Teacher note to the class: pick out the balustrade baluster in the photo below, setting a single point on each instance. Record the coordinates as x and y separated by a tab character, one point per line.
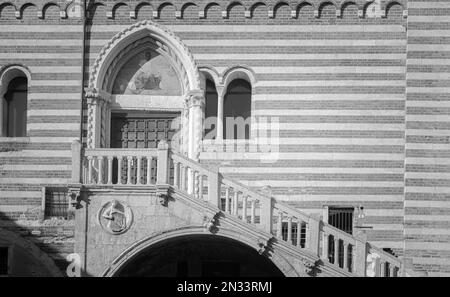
336	251
280	225
119	169
182	177
382	268
345	266
244	208
289	231
149	170
138	170
110	171
252	215
325	246
100	170
129	160
175	175
227	200
192	174
195	188
299	233
90	165
200	186
236	203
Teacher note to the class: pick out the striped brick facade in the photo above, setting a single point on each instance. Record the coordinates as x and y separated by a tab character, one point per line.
360	99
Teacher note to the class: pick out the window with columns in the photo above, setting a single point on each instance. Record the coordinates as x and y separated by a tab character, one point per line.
14	108
237	110
211	98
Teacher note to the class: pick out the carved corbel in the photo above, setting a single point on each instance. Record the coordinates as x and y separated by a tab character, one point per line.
262	245
162	194
210	222
74	195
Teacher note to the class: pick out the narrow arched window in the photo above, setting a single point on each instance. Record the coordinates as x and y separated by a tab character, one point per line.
210	110
15	113
237	110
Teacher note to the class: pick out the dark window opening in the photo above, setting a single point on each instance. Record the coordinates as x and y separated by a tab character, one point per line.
237	110
3	260
341	218
294	233
56	203
15	113
210	110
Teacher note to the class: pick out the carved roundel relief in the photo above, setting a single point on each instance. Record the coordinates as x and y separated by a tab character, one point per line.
115	217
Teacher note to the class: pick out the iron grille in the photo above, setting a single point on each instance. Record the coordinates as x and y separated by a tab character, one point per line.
341	218
56	202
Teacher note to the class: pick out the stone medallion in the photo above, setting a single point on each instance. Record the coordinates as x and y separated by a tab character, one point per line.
115	217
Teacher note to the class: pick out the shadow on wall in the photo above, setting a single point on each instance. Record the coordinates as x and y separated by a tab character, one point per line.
30	247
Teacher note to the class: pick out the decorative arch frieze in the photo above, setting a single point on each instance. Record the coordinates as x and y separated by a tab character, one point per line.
134	5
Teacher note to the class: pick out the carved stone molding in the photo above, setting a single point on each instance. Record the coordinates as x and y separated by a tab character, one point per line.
262	245
194	100
209	222
74	194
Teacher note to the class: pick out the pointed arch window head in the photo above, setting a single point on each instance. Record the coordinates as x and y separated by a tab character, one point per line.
14	111
237	110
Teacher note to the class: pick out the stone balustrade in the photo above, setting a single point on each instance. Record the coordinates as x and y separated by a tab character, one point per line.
350	254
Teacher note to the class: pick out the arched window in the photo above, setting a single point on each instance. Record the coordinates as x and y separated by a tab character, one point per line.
237	110
210	110
15	108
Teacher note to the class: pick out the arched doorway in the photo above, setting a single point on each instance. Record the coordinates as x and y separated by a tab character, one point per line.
199	256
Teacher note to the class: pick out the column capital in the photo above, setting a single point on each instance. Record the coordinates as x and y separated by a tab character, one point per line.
194	99
93	96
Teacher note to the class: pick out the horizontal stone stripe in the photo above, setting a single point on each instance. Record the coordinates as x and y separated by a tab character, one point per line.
395	201
340	190
300	163
435	83
370	212
330	104
35	167
52	112
41	62
334	134
54	96
331	83
290	49
319	177
368	149
331	119
76	56
328	70
50	126
427	62
427	153
34	28
424	133
427	189
387	244
332	90
427	110
427	182
262	28
282	42
328	126
39	71
317	183
330	76
429	33
55	88
426	231
55	82
426	106
29	46
300	56
18	208
429	47
409	195
329	112
34	181
438	147
260	34
427	204
435	261
36	153
259	171
301	156
439	168
4	42
54	133
30	161
20	194
17	201
423	125
305	63
39	146
437	246
354	98
429	55
53	119
428	4
333	141
429	211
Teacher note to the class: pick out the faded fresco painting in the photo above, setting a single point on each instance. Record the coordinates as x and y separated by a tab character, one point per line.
147	73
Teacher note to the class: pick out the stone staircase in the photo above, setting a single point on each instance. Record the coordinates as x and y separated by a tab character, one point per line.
317	245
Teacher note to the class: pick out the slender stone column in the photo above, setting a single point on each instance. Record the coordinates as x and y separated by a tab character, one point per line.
95	118
2	113
219	126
